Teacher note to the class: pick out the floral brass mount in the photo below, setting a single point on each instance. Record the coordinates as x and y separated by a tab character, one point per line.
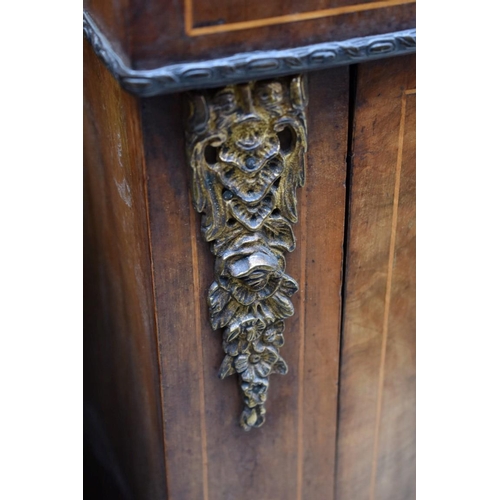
246	145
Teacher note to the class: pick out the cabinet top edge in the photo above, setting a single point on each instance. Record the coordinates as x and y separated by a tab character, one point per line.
241	67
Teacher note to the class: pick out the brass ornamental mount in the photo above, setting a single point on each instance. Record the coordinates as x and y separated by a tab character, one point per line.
246	145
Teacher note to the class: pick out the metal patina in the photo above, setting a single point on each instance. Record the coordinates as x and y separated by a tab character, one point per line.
246	145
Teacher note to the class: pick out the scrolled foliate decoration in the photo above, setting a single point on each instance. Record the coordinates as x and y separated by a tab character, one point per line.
246	146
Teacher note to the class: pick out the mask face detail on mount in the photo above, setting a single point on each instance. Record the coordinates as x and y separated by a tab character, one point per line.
246	145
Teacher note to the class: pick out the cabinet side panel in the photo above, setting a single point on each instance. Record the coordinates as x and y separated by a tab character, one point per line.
178	297
376	443
122	399
208	455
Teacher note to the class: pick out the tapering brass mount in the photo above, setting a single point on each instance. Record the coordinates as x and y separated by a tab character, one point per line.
246	146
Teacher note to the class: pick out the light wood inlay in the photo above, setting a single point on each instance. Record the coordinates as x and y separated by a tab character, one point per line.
390	266
285	19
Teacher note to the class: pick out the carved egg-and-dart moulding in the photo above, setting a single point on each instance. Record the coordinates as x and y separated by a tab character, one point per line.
246	146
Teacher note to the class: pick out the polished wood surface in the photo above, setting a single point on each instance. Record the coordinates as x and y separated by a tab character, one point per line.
159	422
376	444
154	33
123	426
234	15
208	454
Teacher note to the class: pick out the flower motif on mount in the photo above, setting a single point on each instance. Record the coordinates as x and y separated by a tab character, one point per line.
246	146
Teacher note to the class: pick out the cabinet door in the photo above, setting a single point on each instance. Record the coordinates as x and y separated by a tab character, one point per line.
376	443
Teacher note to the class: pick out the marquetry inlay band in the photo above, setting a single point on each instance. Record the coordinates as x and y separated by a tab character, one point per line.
192	30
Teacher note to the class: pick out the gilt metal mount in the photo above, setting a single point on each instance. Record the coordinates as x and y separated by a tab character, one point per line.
246	146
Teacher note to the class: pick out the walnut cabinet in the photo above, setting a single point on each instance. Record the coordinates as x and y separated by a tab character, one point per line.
159	421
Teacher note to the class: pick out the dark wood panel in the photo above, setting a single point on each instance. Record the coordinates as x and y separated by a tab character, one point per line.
177	298
123	426
376	443
208	455
228	12
153	33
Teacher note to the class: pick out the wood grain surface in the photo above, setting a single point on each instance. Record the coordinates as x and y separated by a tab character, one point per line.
159	422
122	404
208	455
242	14
376	443
154	33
